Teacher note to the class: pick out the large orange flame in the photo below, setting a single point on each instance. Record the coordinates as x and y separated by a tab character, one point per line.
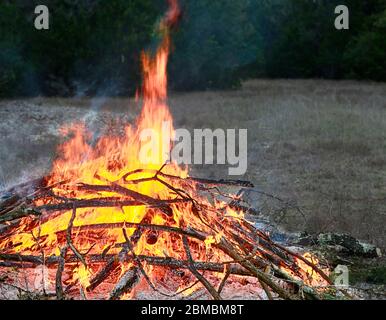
108	161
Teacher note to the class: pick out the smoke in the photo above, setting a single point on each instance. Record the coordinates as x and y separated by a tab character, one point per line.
92	116
2	179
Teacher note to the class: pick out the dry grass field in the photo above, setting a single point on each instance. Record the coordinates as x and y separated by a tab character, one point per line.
320	146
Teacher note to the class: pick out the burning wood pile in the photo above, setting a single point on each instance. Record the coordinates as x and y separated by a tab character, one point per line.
106	225
128	236
183	231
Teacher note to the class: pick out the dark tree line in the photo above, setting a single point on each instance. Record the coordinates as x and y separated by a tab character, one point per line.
93	47
300	40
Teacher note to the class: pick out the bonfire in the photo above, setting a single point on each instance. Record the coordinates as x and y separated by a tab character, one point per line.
104	225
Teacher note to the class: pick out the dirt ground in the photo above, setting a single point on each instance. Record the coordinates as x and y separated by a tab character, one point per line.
319	146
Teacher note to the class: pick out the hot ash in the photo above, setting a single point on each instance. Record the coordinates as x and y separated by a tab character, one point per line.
106	225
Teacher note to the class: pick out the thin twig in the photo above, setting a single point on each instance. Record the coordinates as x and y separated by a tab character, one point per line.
69	238
199	276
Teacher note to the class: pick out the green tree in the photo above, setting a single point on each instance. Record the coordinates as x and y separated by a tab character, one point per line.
96	46
215	39
90	44
12	65
300	40
366	54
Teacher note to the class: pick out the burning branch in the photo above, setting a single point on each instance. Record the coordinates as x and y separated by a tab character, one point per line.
198	275
250	252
